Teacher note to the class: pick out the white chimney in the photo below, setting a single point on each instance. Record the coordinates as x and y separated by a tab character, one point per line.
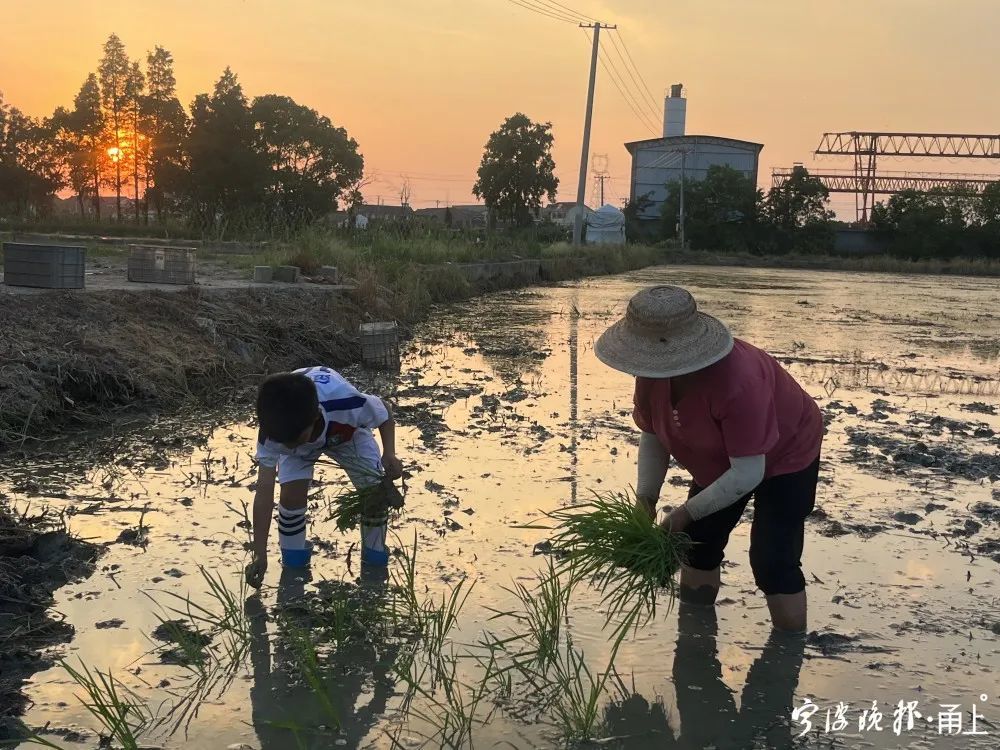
674	112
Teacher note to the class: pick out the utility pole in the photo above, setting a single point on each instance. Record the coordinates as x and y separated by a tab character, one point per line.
581	189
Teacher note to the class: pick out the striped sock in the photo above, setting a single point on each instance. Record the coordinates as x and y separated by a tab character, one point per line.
291	528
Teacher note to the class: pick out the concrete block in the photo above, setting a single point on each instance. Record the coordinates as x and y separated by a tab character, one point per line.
289	274
263	274
329	273
156	264
43	266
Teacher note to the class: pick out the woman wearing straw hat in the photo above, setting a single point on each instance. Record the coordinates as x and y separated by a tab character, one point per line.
740	424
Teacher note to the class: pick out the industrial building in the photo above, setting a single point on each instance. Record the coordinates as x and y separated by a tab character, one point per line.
658	161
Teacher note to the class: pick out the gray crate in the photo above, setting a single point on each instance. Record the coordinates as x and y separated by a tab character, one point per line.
43	266
152	264
380	345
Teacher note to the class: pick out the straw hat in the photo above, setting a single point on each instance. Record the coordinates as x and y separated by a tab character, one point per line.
663	335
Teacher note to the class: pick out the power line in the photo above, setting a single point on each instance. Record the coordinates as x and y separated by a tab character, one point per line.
643	90
572	12
536	9
549	7
649	93
613	75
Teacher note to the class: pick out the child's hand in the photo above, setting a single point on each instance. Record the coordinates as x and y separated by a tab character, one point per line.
255	572
393	467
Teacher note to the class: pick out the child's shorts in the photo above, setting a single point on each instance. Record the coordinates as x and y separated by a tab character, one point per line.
360	457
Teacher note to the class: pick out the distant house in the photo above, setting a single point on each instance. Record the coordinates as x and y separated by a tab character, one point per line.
474	216
384	213
563	213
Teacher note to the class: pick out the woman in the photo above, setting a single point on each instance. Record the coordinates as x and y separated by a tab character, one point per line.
740	424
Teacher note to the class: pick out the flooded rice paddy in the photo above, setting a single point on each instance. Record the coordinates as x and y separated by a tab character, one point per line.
507	414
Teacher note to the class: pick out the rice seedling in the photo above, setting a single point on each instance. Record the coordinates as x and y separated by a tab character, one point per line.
124	717
628	557
576	692
449	707
542	614
211	640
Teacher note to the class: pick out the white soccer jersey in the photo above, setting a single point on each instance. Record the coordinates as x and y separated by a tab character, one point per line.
344	410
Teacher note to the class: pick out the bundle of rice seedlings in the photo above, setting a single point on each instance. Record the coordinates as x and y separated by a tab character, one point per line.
354	503
628	557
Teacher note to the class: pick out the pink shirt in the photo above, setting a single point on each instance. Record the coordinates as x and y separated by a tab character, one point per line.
744	405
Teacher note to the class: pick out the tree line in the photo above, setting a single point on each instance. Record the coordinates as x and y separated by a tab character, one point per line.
727	212
227	163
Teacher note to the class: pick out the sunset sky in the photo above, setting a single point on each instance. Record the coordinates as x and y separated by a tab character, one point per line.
421	85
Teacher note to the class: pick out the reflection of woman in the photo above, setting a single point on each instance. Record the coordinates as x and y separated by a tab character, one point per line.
740	424
705	704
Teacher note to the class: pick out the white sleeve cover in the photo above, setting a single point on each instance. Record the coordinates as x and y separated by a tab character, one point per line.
742	477
652	465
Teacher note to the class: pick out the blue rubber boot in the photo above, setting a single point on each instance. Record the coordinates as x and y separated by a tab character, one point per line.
297	558
373	549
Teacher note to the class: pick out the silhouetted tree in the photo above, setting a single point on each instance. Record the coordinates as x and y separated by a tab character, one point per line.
227	171
113	72
516	171
166	125
312	162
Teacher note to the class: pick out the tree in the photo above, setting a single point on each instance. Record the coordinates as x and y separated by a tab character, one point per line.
988	208
133	107
312	162
634	210
73	158
516	171
113	72
166	125
30	170
86	124
721	211
797	214
227	173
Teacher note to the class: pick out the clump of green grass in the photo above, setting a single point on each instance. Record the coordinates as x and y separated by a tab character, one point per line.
630	559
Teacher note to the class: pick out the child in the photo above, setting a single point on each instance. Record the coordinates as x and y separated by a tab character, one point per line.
302	415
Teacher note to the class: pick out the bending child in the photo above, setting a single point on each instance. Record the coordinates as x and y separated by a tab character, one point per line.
302	415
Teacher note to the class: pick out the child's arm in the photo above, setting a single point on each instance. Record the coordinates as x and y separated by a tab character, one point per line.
387	432
263	509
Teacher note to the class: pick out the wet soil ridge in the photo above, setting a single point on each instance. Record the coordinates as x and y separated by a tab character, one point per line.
79	358
37	556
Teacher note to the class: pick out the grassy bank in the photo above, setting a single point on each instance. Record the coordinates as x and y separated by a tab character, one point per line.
869	264
83	358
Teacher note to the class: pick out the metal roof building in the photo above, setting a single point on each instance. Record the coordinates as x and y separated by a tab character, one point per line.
658	161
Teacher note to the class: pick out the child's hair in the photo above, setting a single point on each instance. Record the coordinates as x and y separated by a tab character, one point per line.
286	406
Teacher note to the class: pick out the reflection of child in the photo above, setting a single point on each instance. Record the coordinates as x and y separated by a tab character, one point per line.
303	415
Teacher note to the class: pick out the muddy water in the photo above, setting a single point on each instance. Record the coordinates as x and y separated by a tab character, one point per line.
509	413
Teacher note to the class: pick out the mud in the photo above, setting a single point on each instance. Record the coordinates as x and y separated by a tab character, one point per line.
37	557
506	414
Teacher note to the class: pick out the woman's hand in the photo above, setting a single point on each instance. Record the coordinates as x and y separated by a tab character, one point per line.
677	520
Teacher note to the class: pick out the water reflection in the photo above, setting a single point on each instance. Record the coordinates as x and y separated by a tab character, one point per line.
285	712
706	706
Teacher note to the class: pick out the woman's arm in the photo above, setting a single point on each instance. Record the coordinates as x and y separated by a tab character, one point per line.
652	467
742	477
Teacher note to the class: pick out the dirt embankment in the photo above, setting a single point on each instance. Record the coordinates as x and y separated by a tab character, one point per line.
78	359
